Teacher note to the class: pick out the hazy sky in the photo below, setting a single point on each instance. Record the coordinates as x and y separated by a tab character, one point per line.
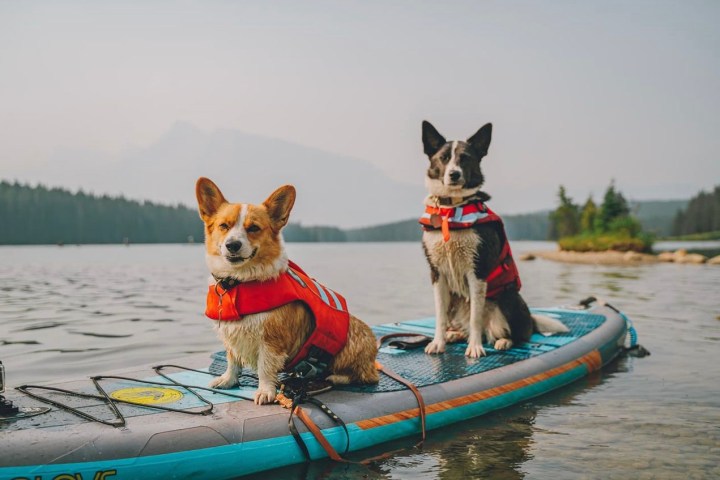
578	92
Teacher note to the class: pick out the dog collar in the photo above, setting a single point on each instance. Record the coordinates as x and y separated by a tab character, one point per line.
226	283
456	218
452	201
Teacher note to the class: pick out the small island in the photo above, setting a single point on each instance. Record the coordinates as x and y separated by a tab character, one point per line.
610	234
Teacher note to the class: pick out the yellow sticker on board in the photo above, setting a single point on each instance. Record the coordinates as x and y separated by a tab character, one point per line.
147	395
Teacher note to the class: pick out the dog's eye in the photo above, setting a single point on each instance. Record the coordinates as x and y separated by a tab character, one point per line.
445	158
224	226
253	228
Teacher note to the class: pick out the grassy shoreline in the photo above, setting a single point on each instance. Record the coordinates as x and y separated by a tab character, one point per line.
603	242
695	237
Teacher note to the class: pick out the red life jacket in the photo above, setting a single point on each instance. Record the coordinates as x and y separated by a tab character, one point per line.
505	274
331	316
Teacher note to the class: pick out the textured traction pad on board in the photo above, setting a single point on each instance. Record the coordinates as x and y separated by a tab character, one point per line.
422	369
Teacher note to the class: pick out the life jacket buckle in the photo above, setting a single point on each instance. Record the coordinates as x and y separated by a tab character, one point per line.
314	365
305	369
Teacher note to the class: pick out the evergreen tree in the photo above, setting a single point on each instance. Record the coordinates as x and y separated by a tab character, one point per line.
611	227
565	220
702	214
614	206
588	215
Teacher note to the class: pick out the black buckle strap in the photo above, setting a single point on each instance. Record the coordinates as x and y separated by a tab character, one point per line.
315	365
296	401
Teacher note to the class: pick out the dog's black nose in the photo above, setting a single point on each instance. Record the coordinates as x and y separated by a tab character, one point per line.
234	246
455	175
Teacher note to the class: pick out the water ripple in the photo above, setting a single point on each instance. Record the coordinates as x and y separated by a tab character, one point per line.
42	326
101	335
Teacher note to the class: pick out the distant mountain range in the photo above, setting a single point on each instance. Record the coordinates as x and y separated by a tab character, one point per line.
333	189
40	215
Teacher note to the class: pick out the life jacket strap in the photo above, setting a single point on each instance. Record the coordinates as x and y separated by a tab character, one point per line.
315	364
293	404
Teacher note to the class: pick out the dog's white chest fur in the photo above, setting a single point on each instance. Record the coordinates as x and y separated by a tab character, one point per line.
244	337
453	259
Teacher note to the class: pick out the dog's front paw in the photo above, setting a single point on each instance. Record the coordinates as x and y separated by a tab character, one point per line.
436	346
503	344
224	381
475	350
264	395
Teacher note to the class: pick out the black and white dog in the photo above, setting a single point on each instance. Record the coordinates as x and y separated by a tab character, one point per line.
475	280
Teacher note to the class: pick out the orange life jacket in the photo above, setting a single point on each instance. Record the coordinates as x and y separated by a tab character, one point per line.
329	308
505	274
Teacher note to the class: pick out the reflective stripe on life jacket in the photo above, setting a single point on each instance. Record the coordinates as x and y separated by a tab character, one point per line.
454	218
329	308
505	274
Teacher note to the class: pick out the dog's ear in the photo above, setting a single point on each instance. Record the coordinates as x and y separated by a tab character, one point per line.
209	198
481	139
279	204
432	140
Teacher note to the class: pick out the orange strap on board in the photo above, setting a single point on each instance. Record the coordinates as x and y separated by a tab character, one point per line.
311	426
415	392
317	433
300	413
407	383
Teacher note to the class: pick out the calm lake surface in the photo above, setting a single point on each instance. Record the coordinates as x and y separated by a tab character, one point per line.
79	311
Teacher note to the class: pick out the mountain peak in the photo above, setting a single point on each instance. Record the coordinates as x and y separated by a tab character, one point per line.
333	189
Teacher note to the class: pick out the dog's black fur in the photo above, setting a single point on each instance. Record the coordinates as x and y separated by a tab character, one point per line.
491	235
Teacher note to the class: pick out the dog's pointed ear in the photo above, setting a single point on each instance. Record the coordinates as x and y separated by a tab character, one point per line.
432	140
209	198
481	139
279	204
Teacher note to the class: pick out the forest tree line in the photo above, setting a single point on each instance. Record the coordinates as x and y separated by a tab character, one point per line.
702	215
41	215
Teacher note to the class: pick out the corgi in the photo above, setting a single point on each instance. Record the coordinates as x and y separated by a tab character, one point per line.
476	285
246	256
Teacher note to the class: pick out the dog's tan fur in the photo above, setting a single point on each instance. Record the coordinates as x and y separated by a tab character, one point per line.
265	341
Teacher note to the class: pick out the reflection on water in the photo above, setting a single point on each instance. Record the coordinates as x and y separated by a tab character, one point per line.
78	311
496	446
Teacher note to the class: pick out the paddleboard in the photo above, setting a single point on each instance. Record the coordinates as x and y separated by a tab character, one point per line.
229	436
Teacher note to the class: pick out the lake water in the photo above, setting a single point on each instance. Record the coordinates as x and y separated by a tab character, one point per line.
79	311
